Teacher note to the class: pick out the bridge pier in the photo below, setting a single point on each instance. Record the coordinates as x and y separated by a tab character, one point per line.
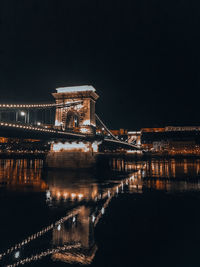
72	155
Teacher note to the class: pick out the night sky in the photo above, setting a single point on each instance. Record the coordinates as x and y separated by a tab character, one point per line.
142	56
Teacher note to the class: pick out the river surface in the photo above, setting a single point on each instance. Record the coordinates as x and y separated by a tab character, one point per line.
144	213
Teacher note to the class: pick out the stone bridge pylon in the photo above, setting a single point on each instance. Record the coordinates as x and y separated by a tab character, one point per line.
76	108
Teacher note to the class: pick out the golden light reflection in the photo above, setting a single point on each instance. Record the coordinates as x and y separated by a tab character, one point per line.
172	174
75	257
22	174
73	235
168	168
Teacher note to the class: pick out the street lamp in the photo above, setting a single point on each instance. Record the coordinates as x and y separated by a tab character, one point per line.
23	114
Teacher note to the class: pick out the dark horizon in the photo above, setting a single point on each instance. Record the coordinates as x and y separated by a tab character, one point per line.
142	57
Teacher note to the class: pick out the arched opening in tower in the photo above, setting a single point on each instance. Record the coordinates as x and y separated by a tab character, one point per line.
72	120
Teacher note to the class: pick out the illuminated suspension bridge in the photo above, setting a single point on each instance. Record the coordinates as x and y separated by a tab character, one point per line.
72	116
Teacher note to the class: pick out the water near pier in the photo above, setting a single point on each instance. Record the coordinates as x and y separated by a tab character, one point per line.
124	214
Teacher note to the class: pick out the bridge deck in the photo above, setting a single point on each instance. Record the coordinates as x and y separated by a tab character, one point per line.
32	132
28	131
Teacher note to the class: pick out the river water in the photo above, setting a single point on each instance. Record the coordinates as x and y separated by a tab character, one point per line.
144	213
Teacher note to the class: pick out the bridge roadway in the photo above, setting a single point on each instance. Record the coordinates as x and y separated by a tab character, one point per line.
16	130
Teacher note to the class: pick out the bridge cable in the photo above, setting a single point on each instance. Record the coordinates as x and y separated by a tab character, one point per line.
105	127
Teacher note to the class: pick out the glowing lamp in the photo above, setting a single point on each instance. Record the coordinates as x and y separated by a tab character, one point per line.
17	254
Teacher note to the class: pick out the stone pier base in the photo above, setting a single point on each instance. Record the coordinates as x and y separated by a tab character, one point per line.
70	160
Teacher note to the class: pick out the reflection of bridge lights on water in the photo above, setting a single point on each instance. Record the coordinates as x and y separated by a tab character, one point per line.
39	234
80	196
122	185
58	195
102	195
17	254
65	195
48	194
73	195
38	256
105	197
132	184
93	218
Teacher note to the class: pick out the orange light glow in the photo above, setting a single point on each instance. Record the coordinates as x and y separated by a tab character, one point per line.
70	146
73	195
80	196
80	146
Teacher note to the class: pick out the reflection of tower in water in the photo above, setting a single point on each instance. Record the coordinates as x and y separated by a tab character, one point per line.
84	198
72	239
78	230
74	188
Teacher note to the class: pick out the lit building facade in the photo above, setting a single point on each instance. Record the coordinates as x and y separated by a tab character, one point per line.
172	140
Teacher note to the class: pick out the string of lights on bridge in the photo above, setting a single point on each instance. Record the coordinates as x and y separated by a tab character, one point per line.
44	130
53	131
40	105
6	124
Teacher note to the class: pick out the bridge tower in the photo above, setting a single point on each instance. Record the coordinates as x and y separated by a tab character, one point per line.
81	114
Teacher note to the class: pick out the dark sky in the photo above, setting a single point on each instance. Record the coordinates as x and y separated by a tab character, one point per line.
142	56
